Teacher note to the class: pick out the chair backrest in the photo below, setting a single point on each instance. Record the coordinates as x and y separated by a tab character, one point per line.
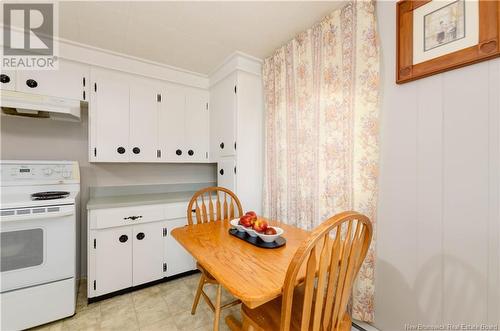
212	204
331	258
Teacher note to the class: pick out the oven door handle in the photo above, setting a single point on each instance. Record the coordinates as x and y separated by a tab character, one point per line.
30	217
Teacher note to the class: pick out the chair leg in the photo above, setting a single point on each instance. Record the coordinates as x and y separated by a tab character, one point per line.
246	326
217	308
198	294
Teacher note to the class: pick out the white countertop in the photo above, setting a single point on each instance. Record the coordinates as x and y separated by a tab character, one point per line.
138	199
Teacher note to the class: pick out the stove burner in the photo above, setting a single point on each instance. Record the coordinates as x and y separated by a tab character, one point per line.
49	195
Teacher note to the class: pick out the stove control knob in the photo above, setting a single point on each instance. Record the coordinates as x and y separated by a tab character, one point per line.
47	171
66	174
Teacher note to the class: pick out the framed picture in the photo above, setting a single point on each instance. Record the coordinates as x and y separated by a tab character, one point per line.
438	35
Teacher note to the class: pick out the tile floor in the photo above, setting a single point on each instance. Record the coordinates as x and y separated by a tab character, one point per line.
166	306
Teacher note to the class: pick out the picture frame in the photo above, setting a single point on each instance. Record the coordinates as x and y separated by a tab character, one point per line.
436	36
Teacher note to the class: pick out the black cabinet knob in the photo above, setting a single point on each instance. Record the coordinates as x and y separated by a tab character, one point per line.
221	145
140	236
178	152
123	238
120	150
4	78
136	150
190	152
31	83
221	172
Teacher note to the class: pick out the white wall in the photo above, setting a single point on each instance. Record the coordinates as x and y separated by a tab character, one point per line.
438	222
39	139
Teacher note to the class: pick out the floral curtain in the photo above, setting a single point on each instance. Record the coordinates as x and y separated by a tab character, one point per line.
321	145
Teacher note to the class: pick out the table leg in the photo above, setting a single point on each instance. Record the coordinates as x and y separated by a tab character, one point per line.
217	307
233	323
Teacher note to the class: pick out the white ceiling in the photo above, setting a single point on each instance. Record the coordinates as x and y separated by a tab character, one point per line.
196	36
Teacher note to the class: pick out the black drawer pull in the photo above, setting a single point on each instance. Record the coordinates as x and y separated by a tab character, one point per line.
190	152
221	172
4	78
133	218
123	238
140	236
221	145
120	150
178	152
31	83
136	150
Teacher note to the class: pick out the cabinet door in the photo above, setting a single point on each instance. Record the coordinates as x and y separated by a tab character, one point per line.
113	259
109	116
177	258
8	80
223	117
226	173
171	124
144	101
197	123
147	252
68	81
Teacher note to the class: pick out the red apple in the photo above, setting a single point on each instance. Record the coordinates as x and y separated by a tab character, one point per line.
251	213
253	219
260	225
270	231
246	221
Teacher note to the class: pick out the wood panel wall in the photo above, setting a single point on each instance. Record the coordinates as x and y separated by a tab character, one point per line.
439	212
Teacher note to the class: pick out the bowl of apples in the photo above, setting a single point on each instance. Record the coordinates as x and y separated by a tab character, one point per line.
259	227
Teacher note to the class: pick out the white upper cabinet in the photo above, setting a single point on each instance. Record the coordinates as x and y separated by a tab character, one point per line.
69	81
109	116
236	128
144	104
8	80
183	124
223	117
226	173
171	123
197	125
135	119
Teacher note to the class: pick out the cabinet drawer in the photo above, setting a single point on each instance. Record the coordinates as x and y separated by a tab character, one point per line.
176	210
106	218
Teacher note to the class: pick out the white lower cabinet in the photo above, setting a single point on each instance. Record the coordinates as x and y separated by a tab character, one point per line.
113	260
130	246
147	255
177	259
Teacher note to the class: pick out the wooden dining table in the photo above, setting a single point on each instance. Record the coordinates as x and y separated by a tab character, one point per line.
252	274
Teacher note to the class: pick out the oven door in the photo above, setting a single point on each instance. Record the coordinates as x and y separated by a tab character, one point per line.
37	246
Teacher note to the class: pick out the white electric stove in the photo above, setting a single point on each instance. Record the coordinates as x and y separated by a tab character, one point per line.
38	214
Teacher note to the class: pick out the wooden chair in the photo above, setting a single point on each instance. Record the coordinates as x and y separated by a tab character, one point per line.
319	280
221	206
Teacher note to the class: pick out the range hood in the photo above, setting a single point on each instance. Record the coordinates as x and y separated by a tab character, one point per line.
39	106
